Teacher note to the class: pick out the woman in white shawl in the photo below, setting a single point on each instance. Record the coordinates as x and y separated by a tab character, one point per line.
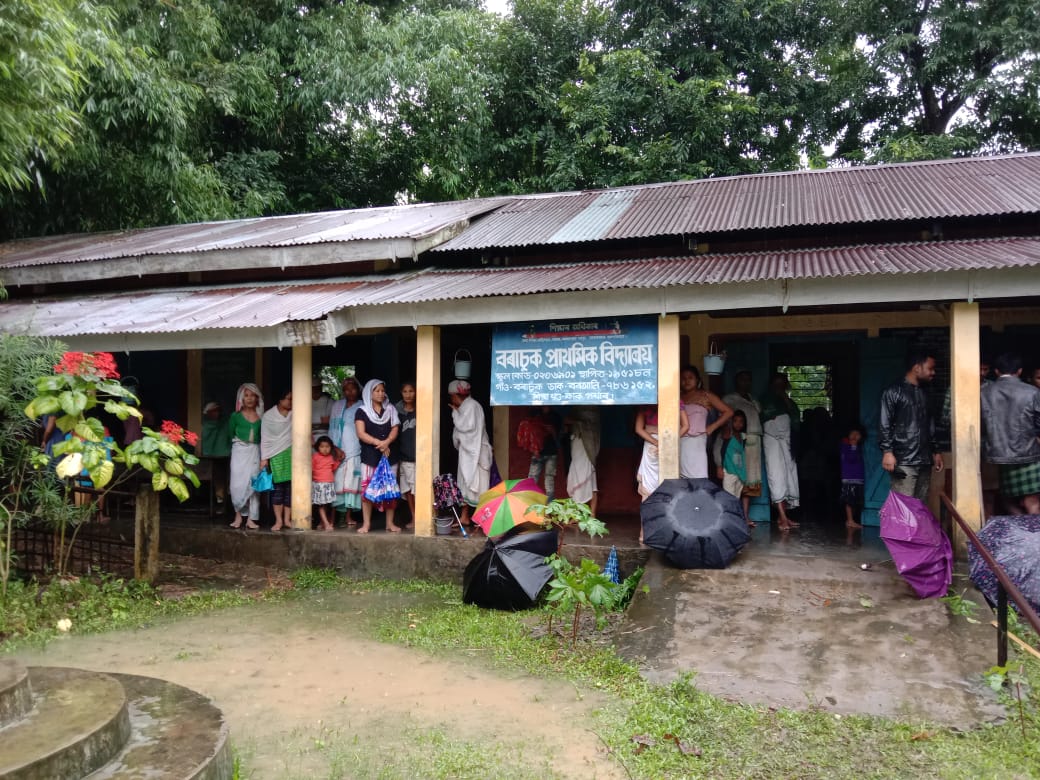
244	425
377	425
581	476
342	431
276	450
471	440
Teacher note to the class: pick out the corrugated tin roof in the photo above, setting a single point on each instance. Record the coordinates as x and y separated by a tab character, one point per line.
191	309
912	191
391	222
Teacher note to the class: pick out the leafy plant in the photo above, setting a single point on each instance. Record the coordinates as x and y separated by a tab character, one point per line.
564	513
580	587
960	606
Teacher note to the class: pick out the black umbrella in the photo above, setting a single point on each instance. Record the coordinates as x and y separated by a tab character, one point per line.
695	523
510	571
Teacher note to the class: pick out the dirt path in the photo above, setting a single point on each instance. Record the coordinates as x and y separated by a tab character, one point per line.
307	696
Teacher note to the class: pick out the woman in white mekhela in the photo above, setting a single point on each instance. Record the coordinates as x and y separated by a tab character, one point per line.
585	437
648	476
342	431
698	403
471	440
276	451
244	425
780	421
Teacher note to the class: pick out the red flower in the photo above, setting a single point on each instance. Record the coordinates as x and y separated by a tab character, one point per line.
89	365
173	432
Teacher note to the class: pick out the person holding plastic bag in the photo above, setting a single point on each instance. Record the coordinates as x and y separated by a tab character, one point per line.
377	425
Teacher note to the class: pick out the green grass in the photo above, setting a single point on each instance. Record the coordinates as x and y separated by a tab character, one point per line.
653	731
732	739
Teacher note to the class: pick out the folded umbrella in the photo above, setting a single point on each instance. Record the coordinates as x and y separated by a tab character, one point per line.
920	550
1014	542
510	572
695	523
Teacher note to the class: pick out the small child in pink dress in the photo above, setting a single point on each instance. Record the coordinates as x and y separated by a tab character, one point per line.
323	468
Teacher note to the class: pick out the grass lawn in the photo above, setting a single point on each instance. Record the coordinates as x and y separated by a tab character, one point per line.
651	731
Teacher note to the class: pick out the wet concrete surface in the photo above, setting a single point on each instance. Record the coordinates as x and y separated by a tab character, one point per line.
795	622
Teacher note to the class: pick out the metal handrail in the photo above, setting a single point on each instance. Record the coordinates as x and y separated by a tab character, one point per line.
1005	587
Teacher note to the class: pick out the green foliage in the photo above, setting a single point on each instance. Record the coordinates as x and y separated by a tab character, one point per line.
309	578
33	610
563	513
960	606
23	487
585	586
46	48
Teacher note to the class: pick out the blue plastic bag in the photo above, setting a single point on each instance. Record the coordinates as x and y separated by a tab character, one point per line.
382	488
262	482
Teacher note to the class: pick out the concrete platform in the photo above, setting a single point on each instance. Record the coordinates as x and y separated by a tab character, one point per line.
799	631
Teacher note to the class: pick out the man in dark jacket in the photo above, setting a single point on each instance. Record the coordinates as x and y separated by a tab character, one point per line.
1010	425
906	435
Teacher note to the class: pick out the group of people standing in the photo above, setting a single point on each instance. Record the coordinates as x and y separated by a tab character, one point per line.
350	436
748	428
1010	426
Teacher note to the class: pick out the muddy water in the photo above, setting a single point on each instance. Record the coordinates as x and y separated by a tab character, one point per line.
307	695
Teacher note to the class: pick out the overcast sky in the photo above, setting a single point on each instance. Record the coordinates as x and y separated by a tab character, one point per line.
498	6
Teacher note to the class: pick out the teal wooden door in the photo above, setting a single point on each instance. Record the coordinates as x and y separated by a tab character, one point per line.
881	364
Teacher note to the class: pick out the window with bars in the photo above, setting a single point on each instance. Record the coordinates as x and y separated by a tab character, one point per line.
811	386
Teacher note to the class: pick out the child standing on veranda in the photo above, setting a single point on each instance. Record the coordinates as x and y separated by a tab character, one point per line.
729	456
852	476
406	442
324	462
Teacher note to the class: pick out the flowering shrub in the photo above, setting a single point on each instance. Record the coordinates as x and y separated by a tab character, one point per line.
83	381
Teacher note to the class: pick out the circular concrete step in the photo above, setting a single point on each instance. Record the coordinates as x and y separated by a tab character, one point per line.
15	692
79	722
177	734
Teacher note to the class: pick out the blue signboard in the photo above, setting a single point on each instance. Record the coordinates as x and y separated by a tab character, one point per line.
607	360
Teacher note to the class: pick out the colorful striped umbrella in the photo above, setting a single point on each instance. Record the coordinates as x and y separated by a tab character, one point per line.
507	505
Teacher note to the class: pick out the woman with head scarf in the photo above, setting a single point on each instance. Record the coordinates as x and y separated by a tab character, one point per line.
244	425
377	426
471	440
342	431
276	450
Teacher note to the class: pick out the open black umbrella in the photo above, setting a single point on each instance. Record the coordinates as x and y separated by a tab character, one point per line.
695	523
510	571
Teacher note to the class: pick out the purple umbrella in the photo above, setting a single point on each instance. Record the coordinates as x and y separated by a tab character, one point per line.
919	548
1015	543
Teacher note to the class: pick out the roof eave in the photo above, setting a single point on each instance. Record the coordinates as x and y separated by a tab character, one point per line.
224	260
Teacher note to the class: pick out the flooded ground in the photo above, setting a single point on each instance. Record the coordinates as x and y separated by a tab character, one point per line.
307	695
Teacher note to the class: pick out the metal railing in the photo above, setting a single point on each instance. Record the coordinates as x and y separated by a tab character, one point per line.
1005	587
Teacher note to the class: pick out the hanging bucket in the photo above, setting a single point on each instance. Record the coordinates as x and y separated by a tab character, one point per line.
714	361
443	525
463	364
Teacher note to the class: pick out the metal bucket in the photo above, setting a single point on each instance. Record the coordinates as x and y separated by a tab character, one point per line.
714	364
443	525
463	365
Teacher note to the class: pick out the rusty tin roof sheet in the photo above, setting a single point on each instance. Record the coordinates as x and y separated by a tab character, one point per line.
391	222
911	191
188	309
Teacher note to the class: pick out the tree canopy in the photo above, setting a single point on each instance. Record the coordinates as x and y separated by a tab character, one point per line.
125	113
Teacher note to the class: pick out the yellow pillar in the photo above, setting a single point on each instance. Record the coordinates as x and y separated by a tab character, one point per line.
301	437
429	397
966	426
500	431
668	395
194	394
